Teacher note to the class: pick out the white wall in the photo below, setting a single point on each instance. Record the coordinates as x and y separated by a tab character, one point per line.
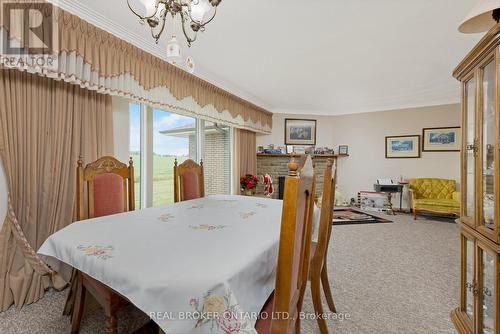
3	195
365	135
121	128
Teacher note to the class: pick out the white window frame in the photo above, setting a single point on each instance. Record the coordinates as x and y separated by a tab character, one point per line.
146	151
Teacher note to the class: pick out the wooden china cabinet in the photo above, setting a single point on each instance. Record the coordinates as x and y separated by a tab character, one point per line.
479	74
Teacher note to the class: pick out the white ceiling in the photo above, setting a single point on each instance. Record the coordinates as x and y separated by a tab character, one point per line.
324	57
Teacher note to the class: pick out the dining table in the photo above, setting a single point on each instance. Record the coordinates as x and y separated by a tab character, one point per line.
206	265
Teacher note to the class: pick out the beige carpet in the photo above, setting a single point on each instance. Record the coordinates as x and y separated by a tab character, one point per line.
389	278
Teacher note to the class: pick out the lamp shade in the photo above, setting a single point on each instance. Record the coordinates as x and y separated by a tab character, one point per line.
480	19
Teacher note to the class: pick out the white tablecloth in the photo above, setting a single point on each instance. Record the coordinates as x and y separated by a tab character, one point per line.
210	260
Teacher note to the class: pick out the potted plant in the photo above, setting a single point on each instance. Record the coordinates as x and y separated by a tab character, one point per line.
248	184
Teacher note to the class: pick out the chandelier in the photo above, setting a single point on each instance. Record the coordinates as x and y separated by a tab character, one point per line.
194	15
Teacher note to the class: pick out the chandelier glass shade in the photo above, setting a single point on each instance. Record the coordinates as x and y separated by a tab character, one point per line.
194	15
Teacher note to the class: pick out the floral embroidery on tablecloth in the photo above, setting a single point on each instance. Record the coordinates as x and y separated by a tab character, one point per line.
207	227
166	217
101	252
227	200
246	215
262	205
196	206
220	313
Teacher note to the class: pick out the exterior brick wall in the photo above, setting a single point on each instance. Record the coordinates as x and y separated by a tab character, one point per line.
216	162
192	146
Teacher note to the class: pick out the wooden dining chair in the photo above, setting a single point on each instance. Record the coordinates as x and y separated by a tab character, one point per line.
189	181
318	273
280	315
110	190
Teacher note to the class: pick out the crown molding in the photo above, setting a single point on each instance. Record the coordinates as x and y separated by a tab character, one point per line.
399	107
105	23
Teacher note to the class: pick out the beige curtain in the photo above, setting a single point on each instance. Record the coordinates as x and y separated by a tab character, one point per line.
44	126
244	156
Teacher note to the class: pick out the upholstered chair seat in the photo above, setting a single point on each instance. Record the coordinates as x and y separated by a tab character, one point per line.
108	195
190	186
109	186
434	195
188	181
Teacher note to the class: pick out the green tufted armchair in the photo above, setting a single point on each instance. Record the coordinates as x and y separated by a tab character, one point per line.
434	195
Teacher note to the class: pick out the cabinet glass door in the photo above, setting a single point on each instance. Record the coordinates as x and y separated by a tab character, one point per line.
487	292
488	147
470	151
468	277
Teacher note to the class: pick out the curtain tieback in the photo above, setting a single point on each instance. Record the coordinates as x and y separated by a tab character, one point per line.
29	253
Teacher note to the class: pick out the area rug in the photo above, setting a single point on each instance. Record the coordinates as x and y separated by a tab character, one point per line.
353	216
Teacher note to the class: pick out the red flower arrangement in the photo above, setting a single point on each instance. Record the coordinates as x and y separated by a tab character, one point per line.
248	182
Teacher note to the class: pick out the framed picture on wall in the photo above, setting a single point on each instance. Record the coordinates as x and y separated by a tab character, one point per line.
402	147
343	149
441	139
300	132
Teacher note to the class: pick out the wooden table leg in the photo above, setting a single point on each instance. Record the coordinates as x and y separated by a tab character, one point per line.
79	304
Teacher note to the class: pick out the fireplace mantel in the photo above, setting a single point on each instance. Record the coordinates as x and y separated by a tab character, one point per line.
299	155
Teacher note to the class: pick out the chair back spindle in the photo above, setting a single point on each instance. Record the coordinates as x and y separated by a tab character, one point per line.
294	247
319	271
326	216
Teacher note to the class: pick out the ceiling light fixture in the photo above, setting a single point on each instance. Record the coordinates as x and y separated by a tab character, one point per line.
194	15
482	18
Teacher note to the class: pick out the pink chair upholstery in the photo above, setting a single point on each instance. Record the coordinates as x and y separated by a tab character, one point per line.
108	195
189	181
191	186
104	187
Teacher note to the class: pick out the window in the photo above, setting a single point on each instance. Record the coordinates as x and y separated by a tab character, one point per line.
157	137
135	148
174	136
217	158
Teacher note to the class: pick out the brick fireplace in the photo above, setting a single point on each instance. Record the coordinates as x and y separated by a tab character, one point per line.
276	165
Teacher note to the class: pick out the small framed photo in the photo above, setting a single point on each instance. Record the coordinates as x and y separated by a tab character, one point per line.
300	132
441	139
299	149
289	149
343	149
310	149
402	147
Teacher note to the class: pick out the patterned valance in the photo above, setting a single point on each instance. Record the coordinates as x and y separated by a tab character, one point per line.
97	60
